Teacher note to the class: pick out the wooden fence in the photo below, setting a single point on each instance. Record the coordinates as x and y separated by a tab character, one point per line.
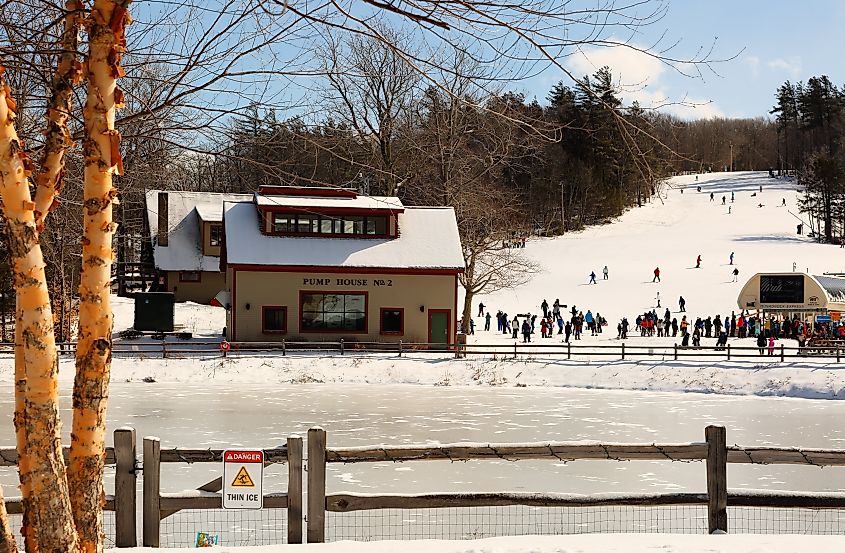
714	451
622	351
159	505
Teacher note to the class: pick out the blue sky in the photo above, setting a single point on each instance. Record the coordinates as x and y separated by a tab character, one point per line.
773	41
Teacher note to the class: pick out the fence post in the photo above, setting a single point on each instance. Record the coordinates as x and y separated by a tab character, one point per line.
294	489
781	353
400	348
717	478
164	348
623	351
729	351
125	495
837	353
514	350
284	348
152	489
568	350
341	346
676	351
316	516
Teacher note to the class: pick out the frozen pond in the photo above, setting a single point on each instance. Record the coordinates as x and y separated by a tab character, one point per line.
220	415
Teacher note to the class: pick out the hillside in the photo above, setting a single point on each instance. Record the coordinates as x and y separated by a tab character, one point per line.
670	233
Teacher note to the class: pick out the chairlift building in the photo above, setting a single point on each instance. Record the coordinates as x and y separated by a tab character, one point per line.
790	294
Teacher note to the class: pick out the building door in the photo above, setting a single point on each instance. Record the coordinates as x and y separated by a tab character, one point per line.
438	326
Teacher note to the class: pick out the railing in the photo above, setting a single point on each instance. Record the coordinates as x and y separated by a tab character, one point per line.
622	351
713	451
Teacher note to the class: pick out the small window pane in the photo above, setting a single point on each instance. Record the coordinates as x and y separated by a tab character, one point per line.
391	321
326	226
216	238
381	225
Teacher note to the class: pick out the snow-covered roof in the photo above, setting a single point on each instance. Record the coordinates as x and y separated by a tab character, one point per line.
358	202
428	239
184	243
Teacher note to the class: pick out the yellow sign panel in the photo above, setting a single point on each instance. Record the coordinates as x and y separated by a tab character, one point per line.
243	480
835	316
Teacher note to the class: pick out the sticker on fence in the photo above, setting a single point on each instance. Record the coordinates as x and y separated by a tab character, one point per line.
243	479
205	539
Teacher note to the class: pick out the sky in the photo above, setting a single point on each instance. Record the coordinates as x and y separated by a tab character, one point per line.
769	42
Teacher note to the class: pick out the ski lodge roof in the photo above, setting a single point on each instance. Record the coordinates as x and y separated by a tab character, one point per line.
185	211
318	197
428	239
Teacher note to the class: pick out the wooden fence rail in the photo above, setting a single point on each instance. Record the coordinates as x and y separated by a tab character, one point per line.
620	350
714	451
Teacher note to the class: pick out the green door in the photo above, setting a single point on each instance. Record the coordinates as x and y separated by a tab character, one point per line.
438	326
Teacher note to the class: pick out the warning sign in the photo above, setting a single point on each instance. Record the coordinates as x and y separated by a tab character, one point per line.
243	479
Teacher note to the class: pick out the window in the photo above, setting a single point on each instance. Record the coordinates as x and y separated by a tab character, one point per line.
284	223
392	320
216	232
315	224
274	319
190	276
333	312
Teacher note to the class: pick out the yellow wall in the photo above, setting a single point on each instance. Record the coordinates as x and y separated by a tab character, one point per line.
199	292
282	289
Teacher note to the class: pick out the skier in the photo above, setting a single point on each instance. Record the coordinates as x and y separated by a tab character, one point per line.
471	325
593	278
729	209
711	196
658	299
556	309
732	258
526	331
505	324
624	328
545	307
656	275
682	304
784	202
761	343
591	323
732	197
543	327
771	345
487	318
723	200
567	330
604	272
735	274
480	309
698	262
515	328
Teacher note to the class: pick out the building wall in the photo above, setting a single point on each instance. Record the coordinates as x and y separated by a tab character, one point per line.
815	298
407	291
210	284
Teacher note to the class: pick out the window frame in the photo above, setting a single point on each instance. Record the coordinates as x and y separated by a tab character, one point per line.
211	228
364	293
264	329
401	331
182	277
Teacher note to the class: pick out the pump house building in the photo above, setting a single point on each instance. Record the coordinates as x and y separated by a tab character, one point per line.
324	264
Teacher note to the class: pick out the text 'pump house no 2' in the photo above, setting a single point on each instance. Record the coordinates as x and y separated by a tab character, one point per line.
324	264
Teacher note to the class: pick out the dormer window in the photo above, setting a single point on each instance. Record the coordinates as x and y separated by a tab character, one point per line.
308	224
216	236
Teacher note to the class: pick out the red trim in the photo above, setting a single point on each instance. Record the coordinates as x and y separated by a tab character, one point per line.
343	270
190	280
448	323
454	339
401	331
320	192
321	235
340	293
363	211
285	318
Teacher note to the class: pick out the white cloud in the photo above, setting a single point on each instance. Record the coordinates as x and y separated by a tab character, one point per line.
638	78
791	65
753	63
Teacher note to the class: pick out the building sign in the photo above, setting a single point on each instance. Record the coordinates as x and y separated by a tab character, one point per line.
340	281
822	318
243	479
782	289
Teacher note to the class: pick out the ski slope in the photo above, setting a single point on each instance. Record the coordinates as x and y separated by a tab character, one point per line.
669	233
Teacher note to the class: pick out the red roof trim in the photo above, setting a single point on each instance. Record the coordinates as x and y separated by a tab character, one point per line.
354	270
330	210
320	192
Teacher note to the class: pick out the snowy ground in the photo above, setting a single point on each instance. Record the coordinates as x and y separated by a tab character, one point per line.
669	232
596	543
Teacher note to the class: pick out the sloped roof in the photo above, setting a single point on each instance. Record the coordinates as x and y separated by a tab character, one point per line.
834	286
428	239
184	245
359	202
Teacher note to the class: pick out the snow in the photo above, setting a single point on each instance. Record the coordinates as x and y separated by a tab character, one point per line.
358	202
585	543
428	239
184	247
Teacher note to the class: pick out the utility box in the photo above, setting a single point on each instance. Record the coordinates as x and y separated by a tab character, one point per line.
154	311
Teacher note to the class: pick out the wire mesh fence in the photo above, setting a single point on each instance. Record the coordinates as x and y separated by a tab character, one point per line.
229	528
516	520
108	528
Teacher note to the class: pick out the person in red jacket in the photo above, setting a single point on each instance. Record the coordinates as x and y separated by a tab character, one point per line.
656	275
